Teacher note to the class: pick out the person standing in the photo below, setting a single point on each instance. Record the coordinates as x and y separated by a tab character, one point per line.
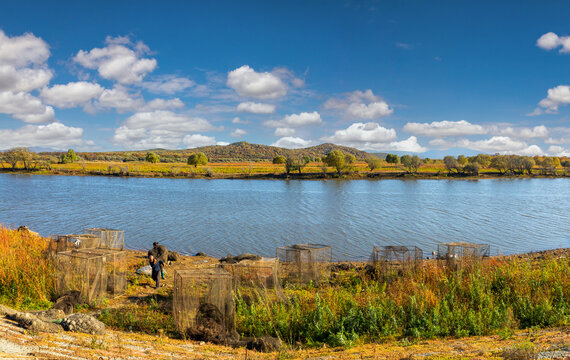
156	266
160	252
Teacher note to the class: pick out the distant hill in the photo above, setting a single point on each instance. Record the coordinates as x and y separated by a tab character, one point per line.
236	152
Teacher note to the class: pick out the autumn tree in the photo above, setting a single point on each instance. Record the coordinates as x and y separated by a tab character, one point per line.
295	164
69	157
279	159
392	159
412	163
336	159
152	157
373	163
197	159
499	162
450	164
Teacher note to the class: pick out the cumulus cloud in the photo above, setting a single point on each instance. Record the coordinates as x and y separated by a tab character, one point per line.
163	129
54	135
558	151
444	128
372	136
24	50
71	95
284	131
237	120
168	84
197	140
23	79
256	108
25	107
262	85
296	120
289	142
120	60
539	131
557	96
496	144
238	133
360	105
551	41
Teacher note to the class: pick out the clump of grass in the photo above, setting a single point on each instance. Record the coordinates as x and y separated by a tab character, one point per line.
26	272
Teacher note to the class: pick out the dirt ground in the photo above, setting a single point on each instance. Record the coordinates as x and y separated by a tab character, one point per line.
17	343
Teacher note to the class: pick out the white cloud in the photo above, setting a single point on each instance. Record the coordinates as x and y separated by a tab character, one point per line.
162	104
238	133
558	151
289	142
120	99
163	129
296	120
372	136
197	140
24	50
496	144
25	107
551	41
70	95
248	83
54	135
539	131
237	120
360	105
256	108
23	79
284	131
118	62
168	84
444	128
556	97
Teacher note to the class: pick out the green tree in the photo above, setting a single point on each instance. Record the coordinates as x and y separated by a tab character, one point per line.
349	159
462	160
373	163
483	159
197	159
12	157
528	164
499	162
335	159
450	164
392	159
412	163
279	159
295	164
69	157
152	157
472	169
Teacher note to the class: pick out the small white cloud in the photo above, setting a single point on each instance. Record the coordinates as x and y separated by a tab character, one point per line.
162	104
168	84
54	135
238	133
284	131
496	144
360	105
248	83
557	96
70	95
444	128
119	61
197	140
551	41
237	120
25	107
256	108
24	50
296	120
289	142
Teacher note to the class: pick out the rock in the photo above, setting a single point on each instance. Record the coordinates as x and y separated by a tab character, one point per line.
6	311
49	315
247	256
68	301
200	254
145	270
83	323
229	260
265	344
30	322
173	256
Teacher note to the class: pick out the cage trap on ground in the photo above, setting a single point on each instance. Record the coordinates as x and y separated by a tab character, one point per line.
203	304
395	261
305	262
456	254
110	238
95	273
59	243
258	276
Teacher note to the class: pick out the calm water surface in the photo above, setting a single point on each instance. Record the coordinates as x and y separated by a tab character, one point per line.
223	217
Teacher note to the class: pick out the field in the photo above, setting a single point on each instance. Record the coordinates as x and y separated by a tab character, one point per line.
498	298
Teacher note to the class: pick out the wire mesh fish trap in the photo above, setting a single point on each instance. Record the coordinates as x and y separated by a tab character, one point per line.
255	277
458	254
396	261
203	304
59	243
305	262
110	238
95	273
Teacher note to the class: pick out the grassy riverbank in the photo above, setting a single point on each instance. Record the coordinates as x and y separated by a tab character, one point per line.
497	296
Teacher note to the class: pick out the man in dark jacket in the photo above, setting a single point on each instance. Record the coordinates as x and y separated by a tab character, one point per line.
160	253
156	266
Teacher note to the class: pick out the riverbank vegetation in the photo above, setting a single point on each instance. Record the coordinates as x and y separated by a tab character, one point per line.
325	161
496	295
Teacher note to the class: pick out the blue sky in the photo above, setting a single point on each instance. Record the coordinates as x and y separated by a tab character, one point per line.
434	78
